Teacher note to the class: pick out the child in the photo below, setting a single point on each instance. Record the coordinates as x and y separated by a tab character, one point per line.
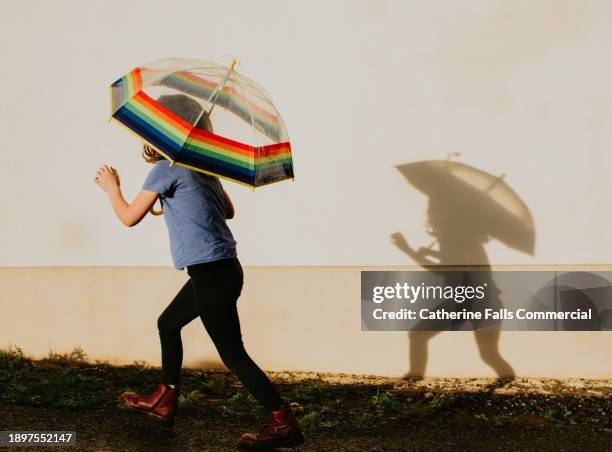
195	208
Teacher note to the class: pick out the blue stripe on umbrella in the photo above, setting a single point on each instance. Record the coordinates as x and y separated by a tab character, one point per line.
220	167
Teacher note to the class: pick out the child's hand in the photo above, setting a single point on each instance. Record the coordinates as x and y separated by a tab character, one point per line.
398	240
107	178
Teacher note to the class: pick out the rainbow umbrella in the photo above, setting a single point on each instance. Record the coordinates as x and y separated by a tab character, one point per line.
167	103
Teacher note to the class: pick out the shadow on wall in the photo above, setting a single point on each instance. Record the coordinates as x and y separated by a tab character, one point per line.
467	207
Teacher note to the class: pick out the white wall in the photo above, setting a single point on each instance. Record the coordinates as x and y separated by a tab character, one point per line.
518	87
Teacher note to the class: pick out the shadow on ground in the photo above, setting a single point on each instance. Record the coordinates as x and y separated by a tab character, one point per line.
339	412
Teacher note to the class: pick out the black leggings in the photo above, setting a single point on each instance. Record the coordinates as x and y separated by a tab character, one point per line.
211	293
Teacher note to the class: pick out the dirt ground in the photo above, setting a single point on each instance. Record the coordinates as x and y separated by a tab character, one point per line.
101	429
338	412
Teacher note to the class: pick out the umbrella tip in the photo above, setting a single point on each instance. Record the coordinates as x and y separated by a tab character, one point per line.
451	155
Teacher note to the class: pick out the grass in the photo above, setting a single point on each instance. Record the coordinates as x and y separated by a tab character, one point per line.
70	381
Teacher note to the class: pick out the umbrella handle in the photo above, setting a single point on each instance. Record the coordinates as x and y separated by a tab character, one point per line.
432	244
156	212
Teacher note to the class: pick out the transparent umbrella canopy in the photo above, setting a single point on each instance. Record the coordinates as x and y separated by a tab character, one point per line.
165	102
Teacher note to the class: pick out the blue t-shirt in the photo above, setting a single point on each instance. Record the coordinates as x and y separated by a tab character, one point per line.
194	212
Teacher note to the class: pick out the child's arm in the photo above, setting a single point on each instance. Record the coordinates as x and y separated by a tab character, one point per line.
229	207
129	214
420	256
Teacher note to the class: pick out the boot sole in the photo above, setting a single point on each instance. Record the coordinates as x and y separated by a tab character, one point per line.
164	423
290	442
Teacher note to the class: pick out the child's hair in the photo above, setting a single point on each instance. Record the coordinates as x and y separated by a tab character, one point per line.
184	107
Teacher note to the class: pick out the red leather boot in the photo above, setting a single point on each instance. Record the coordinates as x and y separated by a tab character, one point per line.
161	404
282	430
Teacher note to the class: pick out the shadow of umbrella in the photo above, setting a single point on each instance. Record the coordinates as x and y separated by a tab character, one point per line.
501	213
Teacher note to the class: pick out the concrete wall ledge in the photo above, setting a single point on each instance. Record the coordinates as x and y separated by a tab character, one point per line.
293	318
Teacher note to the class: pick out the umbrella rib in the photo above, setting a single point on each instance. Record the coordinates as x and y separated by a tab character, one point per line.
253	128
219	88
